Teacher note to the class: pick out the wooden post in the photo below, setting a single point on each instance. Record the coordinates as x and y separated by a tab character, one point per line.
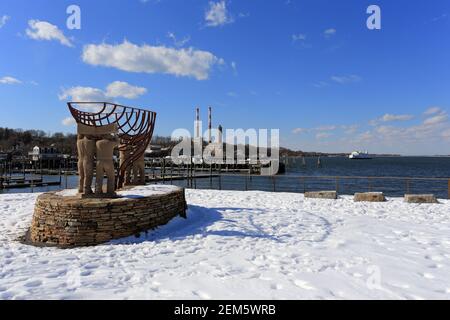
210	175
60	173
337	184
407	186
448	188
31	181
187	174
220	176
163	173
194	175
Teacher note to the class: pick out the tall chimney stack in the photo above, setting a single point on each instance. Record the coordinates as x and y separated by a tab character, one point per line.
220	134
209	124
197	123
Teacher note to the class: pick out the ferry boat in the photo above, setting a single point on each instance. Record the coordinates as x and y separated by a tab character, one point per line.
359	155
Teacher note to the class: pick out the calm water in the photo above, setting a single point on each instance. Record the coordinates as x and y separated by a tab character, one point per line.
438	167
294	179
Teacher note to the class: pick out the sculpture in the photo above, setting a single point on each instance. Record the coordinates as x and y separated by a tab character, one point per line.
105	164
86	152
100	131
139	171
134	175
123	155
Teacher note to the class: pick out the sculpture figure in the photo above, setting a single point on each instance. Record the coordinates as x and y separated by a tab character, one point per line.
86	152
123	155
105	164
139	171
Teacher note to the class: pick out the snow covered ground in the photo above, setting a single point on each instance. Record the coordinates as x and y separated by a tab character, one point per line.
243	245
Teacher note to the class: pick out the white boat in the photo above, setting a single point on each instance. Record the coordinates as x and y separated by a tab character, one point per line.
359	155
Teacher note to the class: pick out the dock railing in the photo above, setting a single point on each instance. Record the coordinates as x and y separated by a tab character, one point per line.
344	185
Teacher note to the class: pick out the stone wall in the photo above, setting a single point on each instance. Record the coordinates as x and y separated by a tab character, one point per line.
70	221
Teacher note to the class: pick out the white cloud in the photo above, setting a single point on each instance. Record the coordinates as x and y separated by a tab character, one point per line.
399	117
365	136
43	30
298	37
320	84
116	89
346	79
3	20
152	59
69	121
440	118
432	110
350	129
446	134
326	128
177	42
9	80
431	136
234	67
125	90
217	14
83	94
300	130
329	32
323	135
391	118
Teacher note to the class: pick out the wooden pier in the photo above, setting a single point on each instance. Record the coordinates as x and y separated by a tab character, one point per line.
20	183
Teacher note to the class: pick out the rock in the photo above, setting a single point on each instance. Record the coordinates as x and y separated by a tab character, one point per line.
369	197
321	195
420	198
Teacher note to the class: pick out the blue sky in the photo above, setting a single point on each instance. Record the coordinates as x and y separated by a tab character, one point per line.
310	68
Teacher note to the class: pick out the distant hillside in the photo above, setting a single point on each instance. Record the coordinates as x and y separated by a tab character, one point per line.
66	142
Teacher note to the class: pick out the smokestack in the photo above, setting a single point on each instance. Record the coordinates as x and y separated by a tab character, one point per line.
197	123
220	133
209	124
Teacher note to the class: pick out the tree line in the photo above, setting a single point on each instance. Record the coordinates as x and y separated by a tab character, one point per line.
66	143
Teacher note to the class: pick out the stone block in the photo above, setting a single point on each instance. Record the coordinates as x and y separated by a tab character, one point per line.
420	198
321	195
369	197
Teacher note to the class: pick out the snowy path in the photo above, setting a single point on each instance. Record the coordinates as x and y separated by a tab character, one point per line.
239	245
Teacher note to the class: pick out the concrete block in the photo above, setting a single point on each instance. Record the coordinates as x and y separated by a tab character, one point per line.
369	197
420	198
321	195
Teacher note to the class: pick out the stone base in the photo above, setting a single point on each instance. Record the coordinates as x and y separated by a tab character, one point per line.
99	196
69	221
369	197
420	198
321	195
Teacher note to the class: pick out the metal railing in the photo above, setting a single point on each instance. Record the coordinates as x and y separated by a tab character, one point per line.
345	185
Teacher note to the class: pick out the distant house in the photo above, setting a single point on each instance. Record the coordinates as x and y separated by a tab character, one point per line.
156	151
48	157
5	156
